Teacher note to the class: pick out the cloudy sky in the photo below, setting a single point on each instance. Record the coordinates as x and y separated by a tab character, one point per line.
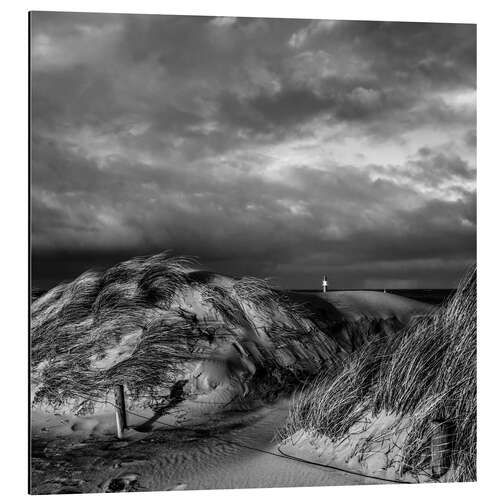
282	148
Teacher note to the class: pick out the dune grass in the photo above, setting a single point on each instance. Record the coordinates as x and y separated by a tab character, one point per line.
75	324
426	372
75	327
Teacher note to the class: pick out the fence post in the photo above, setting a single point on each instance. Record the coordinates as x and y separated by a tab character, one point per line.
120	411
441	445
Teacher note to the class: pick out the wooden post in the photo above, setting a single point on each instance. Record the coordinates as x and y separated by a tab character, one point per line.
120	411
441	444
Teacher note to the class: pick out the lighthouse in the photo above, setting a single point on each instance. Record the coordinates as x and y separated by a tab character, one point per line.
325	284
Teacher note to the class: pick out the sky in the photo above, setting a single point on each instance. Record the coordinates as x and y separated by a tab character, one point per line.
277	148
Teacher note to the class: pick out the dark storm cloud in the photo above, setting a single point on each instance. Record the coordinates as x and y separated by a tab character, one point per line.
269	147
430	53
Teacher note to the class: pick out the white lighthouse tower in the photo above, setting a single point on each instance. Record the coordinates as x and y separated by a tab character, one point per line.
325	284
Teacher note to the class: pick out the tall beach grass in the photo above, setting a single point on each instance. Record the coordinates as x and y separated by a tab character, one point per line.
79	329
426	373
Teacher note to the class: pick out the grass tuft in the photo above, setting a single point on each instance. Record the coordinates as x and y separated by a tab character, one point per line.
426	372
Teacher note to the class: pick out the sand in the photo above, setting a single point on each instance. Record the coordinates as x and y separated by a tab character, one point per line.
221	454
187	446
371	447
357	304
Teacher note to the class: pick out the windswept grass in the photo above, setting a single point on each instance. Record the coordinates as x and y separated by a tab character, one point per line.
427	373
127	326
75	325
146	322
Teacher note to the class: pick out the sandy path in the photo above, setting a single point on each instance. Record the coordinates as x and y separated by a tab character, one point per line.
189	459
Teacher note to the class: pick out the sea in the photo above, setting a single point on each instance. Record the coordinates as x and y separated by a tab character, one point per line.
434	296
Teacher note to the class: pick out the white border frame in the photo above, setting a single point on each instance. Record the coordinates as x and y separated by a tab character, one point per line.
14	296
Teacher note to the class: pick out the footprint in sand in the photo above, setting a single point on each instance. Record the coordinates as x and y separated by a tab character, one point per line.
127	482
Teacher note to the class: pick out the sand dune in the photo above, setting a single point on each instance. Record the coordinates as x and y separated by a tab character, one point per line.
190	347
369	304
403	407
153	322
